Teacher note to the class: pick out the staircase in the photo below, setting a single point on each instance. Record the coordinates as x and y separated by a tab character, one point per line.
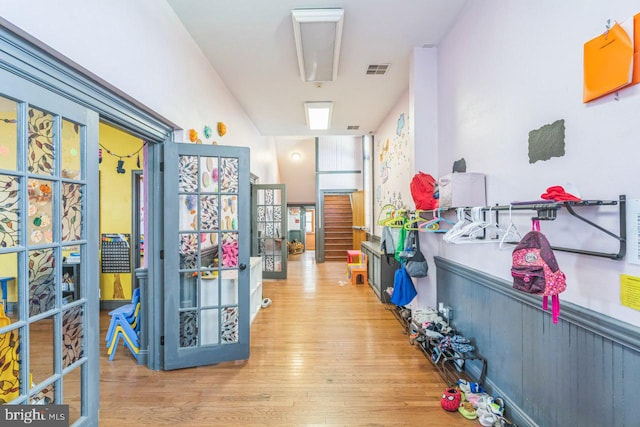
338	234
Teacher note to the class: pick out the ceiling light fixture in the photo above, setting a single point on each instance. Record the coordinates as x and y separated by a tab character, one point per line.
318	34
296	156
318	115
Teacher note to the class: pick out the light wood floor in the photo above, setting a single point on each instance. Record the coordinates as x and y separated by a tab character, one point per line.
322	354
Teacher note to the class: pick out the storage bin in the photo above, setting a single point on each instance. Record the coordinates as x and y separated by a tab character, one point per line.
459	190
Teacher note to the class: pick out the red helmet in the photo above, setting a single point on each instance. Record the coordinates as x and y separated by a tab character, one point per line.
451	399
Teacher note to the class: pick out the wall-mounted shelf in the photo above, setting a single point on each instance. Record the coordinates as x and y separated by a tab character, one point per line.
549	211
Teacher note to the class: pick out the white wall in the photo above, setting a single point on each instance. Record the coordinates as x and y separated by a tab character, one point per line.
141	48
340	154
298	175
423	89
509	67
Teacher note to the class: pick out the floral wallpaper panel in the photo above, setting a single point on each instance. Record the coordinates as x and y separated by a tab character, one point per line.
40	142
229	327
41	281
229	175
188	329
188	174
71	212
9	203
72	336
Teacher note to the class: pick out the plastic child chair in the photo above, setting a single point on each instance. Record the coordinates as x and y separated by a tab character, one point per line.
130	341
125	325
128	309
132	321
353	256
121	329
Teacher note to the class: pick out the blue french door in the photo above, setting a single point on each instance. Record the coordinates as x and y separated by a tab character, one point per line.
269	203
49	322
207	249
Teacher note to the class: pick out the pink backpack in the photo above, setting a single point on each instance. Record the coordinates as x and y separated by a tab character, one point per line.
535	270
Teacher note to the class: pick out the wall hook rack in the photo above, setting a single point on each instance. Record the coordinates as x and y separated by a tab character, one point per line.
548	211
622	238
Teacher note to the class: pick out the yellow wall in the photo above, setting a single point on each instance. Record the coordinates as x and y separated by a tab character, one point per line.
9	268
8	143
116	197
8	134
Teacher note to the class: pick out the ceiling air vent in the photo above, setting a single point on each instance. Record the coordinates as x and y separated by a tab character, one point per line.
378	69
353	127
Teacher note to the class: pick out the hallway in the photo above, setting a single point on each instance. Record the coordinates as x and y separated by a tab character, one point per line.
321	354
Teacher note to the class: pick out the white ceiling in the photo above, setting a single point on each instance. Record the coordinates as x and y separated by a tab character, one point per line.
250	44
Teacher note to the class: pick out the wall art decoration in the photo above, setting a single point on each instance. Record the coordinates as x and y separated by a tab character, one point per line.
547	142
222	129
394	164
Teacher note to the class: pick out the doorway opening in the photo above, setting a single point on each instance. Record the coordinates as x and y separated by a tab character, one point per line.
122	200
121	214
301	230
310	228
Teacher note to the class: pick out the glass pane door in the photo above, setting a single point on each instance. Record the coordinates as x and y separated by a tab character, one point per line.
207	254
270	229
48	314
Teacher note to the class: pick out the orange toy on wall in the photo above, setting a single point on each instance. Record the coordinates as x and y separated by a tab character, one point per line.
222	129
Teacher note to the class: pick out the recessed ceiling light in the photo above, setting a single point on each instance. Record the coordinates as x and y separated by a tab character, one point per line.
318	34
318	114
295	156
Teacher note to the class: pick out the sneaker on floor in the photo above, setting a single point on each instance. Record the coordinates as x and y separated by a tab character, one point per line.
467	411
487	418
479	400
497	406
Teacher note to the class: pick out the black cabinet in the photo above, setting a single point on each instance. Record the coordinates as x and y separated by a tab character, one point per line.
381	269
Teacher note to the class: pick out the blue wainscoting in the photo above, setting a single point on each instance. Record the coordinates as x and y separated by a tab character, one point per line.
583	371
